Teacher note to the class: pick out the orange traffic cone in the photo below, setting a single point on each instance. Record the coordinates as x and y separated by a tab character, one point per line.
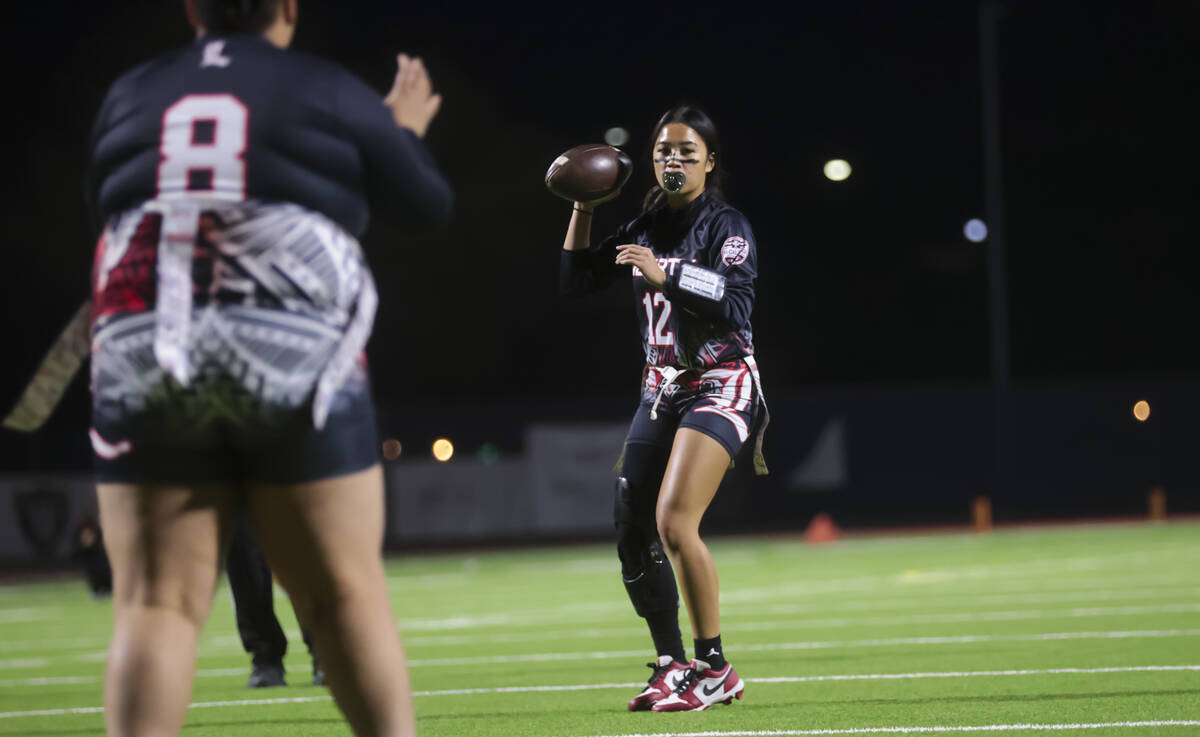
821	529
1157	503
981	514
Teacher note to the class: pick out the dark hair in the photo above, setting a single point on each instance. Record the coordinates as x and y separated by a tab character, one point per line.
696	119
236	16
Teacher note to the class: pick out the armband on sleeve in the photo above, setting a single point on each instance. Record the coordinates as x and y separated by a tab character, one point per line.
701	282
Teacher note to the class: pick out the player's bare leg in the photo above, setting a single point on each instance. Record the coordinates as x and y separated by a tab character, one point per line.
694	472
323	540
165	546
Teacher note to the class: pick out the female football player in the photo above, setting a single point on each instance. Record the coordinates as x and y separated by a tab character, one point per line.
231	305
693	268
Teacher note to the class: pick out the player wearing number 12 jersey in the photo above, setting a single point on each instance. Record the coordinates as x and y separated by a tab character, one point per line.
694	261
231	306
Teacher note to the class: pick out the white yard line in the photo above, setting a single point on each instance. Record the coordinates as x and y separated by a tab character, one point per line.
601	686
943	601
918	730
815	645
30	614
978	673
66	643
603	611
101	656
74	680
950	617
198	705
828	623
17	663
735	599
917	583
501	619
906	582
803	645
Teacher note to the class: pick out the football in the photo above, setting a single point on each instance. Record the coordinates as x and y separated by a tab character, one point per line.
589	172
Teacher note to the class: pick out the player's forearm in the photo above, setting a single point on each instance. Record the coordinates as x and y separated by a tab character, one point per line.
707	293
579	230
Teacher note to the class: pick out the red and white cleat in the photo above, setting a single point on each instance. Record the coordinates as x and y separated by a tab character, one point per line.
702	687
668	674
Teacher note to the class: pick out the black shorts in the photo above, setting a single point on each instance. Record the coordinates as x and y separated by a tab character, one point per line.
722	402
217	433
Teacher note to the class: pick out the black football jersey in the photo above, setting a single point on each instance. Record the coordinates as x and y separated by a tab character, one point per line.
232	179
701	317
235	118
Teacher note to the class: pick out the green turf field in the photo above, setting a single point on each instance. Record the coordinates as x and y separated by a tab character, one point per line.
1088	629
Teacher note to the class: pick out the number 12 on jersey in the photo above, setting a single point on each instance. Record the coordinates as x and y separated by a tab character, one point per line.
656	332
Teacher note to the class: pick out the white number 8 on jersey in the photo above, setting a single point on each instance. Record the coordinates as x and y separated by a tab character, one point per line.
203	140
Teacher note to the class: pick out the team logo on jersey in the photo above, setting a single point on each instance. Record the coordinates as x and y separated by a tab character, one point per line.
735	250
214	55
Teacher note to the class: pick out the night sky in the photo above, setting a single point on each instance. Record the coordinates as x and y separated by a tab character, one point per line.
869	280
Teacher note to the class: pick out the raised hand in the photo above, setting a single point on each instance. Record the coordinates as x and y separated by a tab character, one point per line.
412	99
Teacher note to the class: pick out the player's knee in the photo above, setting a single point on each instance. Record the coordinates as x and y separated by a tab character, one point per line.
316	608
676	532
321	597
633	536
190	602
623	511
312	612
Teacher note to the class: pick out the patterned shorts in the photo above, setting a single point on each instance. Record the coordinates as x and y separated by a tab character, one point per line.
214	336
722	402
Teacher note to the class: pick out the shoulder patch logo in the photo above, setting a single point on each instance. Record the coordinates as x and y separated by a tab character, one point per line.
734	250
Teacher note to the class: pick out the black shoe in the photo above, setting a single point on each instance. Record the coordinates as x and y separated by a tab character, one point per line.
266	675
318	672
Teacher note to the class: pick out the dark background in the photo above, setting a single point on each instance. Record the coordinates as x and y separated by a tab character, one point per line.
863	282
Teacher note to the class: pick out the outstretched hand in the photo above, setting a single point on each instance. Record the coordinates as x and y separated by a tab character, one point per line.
643	258
412	99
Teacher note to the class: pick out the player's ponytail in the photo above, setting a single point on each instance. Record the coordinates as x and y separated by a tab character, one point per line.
696	119
236	16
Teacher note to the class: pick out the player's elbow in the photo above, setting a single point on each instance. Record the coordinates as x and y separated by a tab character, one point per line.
439	206
737	313
443	210
570	288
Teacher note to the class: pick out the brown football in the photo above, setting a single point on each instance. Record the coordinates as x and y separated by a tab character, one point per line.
589	172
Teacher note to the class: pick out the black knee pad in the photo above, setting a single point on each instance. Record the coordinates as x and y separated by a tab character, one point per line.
634	519
645	570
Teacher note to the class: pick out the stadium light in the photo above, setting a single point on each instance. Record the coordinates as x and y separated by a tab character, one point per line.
443	449
975	230
391	449
1141	410
837	170
616	136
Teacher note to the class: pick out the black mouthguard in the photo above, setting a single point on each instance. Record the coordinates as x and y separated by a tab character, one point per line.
673	181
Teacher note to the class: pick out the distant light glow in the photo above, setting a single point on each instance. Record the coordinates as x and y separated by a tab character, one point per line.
443	449
975	230
391	449
1141	410
837	169
488	453
616	136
